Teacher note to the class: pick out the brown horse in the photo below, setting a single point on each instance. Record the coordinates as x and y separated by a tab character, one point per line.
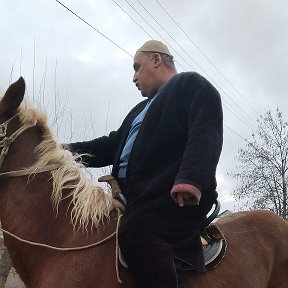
48	204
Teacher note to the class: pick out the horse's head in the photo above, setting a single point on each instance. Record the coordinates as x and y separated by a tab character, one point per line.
12	100
12	126
37	152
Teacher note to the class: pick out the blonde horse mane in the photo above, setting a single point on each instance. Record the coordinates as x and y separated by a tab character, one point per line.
89	204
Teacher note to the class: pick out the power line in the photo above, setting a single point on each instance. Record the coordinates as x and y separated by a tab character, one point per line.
132	18
215	83
139	24
158	34
132	56
106	37
210	62
235	133
207	58
98	31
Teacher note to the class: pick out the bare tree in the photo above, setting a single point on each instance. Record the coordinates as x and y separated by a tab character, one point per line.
262	173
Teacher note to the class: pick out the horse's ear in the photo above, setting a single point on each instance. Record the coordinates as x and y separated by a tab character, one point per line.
13	96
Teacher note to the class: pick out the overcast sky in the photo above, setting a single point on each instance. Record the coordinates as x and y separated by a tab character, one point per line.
240	46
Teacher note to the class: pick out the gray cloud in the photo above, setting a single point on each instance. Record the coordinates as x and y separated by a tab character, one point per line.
246	40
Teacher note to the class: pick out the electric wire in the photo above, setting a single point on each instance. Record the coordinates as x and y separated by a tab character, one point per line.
215	83
132	18
91	26
210	61
229	128
207	58
212	80
117	45
142	17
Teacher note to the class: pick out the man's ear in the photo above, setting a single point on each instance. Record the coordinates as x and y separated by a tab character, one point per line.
156	60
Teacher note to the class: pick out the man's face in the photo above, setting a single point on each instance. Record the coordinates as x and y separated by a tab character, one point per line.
145	74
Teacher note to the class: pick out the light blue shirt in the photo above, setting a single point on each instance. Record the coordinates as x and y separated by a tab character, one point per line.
135	126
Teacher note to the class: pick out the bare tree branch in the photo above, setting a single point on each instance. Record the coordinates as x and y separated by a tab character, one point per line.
262	173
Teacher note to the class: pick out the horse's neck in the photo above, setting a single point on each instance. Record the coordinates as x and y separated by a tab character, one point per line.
26	208
28	214
26	211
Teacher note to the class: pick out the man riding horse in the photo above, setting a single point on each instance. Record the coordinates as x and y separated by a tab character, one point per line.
164	156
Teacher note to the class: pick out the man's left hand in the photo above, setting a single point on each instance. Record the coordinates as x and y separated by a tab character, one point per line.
186	194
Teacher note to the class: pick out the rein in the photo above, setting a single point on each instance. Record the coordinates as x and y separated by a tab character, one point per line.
115	233
24	172
7	141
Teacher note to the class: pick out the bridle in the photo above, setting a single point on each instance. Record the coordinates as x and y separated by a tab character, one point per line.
6	141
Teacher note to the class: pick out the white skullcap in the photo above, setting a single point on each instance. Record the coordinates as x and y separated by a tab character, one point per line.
154	46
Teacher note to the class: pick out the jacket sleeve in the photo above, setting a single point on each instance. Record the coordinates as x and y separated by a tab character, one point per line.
204	119
98	152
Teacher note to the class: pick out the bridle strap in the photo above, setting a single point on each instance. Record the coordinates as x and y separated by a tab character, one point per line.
3	126
7	141
5	145
28	171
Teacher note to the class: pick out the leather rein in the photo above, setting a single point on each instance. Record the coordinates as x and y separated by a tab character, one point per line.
5	143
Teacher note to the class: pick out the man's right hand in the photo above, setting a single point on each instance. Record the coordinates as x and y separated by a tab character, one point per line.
65	146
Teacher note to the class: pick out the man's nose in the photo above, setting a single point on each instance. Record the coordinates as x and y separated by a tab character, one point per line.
135	78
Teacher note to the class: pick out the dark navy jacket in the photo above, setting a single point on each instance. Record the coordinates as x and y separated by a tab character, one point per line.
180	141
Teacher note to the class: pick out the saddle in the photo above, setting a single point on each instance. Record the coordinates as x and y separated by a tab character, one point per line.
213	244
214	250
213	241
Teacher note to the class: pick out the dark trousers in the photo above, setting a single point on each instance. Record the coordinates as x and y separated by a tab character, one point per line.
150	260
